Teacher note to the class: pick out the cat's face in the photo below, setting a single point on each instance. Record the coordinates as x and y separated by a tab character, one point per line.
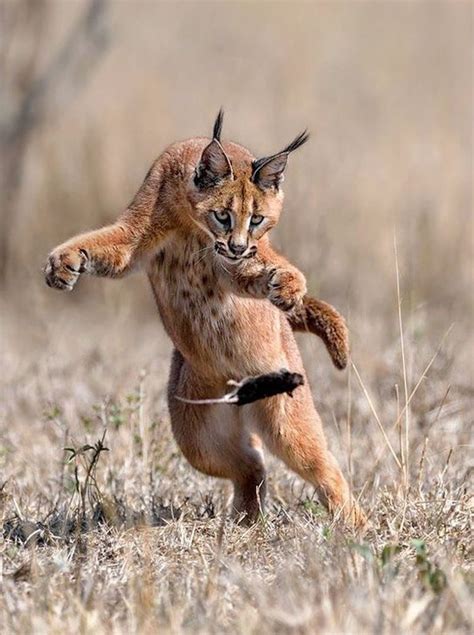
237	214
236	199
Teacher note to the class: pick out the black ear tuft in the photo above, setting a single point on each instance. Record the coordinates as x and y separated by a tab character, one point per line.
267	172
216	133
298	142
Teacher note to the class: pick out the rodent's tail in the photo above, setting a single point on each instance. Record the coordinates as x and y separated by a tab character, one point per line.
322	319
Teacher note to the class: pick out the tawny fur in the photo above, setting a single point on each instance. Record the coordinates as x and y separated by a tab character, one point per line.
228	317
323	320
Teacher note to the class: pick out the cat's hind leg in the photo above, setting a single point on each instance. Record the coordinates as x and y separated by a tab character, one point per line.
292	430
215	440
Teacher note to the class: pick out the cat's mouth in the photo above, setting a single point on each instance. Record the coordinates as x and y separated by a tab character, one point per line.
229	257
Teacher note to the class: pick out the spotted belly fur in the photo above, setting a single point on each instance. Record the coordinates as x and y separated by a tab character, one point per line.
213	328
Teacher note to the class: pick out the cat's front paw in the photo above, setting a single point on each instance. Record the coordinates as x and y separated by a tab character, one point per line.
286	288
64	267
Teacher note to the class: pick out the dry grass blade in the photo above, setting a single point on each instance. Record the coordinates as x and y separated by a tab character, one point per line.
376	416
413	393
406	453
423	375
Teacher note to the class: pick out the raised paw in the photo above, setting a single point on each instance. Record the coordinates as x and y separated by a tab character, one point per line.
322	319
64	267
286	288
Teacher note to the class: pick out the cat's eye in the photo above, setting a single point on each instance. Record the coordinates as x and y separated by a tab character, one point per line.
256	219
222	216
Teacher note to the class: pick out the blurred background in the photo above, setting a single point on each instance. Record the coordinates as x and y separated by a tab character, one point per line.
92	92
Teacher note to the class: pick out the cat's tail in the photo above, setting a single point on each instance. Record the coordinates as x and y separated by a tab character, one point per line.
322	319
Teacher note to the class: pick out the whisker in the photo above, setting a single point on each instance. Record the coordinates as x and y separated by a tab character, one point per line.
201	250
202	253
201	258
219	262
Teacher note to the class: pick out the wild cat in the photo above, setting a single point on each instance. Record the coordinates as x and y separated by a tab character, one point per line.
199	225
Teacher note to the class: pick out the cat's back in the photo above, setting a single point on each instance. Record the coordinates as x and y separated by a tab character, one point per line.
181	157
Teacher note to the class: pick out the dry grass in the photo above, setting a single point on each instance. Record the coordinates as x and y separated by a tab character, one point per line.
138	541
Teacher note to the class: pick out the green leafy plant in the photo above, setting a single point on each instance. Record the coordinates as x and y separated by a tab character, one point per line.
86	459
430	574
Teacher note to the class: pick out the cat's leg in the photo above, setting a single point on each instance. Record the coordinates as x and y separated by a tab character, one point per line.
111	252
292	430
322	319
115	250
104	252
216	441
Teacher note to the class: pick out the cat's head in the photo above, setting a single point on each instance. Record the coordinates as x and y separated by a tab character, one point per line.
236	198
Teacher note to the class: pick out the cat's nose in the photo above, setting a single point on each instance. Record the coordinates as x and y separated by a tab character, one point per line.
237	248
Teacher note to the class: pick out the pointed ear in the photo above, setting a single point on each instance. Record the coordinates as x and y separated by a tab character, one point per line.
214	165
268	172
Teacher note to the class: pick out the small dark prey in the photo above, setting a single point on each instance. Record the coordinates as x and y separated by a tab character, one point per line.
252	389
